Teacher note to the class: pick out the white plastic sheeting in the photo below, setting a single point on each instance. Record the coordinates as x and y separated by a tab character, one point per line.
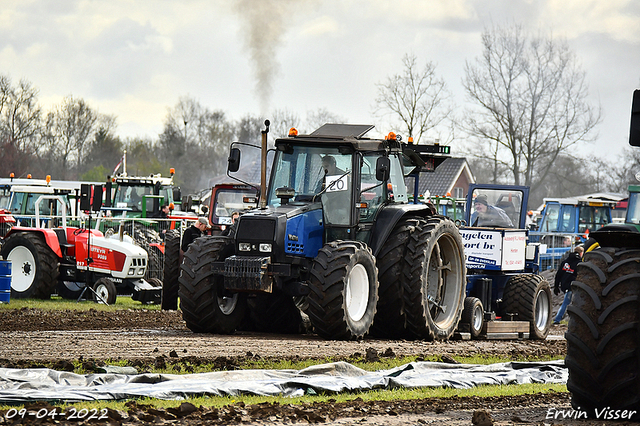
42	384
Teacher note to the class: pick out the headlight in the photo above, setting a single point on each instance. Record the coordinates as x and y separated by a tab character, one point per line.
265	248
132	271
244	246
141	271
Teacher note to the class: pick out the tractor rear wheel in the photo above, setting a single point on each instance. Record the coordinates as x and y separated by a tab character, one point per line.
529	297
274	313
35	267
390	319
170	284
343	290
603	338
473	315
105	291
205	309
434	280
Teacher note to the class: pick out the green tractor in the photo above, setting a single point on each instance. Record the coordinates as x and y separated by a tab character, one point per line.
603	338
335	236
140	199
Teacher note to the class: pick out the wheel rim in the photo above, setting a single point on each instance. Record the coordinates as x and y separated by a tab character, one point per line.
477	318
23	268
357	293
103	292
443	282
228	304
541	309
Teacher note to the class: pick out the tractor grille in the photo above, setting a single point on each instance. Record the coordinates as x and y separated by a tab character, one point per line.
254	229
245	267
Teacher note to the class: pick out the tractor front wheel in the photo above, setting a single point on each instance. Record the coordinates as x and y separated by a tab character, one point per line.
105	291
205	308
35	267
473	315
343	290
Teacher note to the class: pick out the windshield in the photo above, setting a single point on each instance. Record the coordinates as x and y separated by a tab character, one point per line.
496	208
5	194
229	201
28	200
593	218
304	170
130	196
633	209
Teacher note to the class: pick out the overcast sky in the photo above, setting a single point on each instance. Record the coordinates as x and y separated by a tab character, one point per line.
135	59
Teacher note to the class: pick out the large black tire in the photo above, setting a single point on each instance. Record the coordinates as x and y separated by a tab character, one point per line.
343	290
434	280
529	297
390	321
204	308
155	263
603	338
274	313
170	284
473	315
35	267
105	291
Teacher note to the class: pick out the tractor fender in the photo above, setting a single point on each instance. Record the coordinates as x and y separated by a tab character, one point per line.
617	235
50	237
387	219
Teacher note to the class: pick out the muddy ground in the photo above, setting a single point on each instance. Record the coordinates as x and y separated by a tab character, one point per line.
149	338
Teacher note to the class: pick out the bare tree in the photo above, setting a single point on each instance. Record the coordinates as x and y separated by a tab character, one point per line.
319	117
282	120
416	100
70	129
531	102
20	123
195	141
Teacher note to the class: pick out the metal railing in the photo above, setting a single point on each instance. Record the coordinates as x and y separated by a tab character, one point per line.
148	233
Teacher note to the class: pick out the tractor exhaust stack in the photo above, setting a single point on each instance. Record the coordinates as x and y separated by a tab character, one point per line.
263	166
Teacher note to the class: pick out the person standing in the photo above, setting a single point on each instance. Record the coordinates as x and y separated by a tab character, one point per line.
194	231
565	275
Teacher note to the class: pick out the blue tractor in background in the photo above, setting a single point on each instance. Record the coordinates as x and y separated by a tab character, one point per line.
335	235
502	266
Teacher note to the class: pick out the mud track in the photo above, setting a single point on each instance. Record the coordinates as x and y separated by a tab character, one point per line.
149	338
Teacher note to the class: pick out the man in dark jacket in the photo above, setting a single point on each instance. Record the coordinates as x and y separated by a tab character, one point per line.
565	275
193	232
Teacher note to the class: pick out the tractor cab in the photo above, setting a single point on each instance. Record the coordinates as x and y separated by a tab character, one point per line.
337	177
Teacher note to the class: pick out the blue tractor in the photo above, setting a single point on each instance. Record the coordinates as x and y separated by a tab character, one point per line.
502	266
335	235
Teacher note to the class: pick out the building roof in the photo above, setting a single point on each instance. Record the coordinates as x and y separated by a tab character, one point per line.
441	181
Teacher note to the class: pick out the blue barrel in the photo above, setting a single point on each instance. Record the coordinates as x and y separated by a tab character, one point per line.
5	281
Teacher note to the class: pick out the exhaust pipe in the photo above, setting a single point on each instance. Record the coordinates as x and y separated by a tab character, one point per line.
263	169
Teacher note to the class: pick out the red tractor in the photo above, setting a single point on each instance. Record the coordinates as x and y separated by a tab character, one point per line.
44	257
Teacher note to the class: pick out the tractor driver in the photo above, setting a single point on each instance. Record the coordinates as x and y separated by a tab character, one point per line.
489	216
329	168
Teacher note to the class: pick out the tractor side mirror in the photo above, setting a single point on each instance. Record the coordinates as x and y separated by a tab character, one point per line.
96	202
177	194
634	133
234	160
107	194
383	166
